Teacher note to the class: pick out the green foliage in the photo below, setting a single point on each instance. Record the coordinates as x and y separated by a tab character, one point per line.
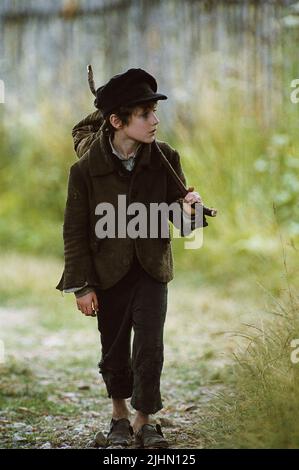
236	164
262	409
34	168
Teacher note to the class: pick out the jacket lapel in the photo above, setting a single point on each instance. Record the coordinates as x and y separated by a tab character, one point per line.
100	162
149	158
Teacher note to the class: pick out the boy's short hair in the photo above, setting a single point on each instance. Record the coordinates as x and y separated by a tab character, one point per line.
125	112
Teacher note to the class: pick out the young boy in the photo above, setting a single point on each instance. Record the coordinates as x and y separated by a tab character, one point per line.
123	278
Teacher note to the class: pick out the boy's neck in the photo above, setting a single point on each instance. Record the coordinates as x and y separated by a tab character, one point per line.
125	146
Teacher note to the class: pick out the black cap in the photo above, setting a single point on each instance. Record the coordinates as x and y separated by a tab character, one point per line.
131	87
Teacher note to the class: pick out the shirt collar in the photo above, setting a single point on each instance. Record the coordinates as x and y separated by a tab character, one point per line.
119	155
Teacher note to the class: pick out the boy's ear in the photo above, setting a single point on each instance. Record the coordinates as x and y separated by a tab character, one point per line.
115	121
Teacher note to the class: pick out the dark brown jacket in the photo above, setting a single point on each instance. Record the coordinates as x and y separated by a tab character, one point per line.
96	178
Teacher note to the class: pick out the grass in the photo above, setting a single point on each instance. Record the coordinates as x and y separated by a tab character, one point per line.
261	411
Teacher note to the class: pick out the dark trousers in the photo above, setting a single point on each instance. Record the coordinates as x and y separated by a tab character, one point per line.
137	301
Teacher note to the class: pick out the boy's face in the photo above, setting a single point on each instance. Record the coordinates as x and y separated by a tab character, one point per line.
142	124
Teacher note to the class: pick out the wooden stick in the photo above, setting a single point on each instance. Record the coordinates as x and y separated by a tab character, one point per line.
211	212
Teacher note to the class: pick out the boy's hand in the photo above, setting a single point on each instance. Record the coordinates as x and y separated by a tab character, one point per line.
190	199
88	304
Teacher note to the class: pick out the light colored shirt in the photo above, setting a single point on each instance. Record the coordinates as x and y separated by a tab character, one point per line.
128	162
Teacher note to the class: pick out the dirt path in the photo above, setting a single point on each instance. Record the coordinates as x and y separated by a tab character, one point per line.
52	395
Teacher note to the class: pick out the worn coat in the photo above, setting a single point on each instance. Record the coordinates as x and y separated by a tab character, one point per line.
96	178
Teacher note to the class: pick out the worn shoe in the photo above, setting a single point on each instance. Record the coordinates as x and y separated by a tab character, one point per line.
150	436
121	432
